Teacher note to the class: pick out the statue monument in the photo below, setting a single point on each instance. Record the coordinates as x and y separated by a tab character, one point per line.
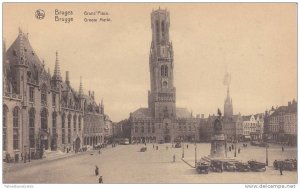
218	139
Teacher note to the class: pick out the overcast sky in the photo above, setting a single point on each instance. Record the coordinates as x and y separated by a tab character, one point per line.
256	43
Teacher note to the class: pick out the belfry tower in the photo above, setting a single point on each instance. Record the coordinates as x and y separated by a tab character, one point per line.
162	96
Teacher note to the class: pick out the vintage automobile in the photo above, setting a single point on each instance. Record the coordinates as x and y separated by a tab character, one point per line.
229	166
216	166
242	167
178	145
202	168
257	166
143	149
287	164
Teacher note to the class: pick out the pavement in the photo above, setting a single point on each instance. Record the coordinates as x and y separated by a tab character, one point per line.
126	164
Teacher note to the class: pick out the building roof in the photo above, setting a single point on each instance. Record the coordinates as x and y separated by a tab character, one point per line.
183	113
141	113
35	66
145	112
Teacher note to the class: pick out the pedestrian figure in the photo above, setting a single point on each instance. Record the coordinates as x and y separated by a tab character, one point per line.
172	145
187	146
96	171
100	180
281	168
174	158
153	146
229	148
99	152
239	150
156	147
282	149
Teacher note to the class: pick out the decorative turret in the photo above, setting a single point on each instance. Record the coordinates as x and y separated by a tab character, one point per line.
56	75
21	54
102	107
67	78
80	88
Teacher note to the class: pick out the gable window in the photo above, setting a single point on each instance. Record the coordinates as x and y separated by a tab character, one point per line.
31	94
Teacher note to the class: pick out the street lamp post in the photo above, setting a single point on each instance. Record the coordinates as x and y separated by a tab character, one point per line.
267	158
182	149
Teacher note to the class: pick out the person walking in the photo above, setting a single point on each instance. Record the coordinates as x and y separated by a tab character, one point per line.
187	146
100	180
153	146
96	171
174	158
281	168
239	150
282	149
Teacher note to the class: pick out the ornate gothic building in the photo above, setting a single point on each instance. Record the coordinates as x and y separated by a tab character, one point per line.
40	110
162	120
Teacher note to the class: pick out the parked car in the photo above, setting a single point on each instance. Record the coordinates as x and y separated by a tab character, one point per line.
216	166
202	168
287	164
229	166
242	167
143	149
257	166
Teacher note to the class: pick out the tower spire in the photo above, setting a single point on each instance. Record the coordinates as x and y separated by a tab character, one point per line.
56	74
22	58
80	87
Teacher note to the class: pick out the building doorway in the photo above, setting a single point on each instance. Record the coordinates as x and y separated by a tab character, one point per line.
77	144
167	139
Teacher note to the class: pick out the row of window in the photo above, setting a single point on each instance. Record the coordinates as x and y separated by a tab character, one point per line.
43	95
63	133
44	126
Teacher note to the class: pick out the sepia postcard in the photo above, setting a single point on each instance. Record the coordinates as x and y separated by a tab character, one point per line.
150	93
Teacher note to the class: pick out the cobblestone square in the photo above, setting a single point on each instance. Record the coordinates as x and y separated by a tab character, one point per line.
126	164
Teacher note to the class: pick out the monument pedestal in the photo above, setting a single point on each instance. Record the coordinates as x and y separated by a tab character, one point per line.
218	146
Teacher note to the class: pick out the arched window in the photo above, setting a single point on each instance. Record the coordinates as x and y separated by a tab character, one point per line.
142	129
153	129
163	29
31	127
157	32
69	128
44	95
162	70
63	130
79	122
4	131
44	120
136	129
74	123
54	115
16	134
166	71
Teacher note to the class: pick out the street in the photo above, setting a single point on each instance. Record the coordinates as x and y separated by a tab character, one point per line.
125	164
